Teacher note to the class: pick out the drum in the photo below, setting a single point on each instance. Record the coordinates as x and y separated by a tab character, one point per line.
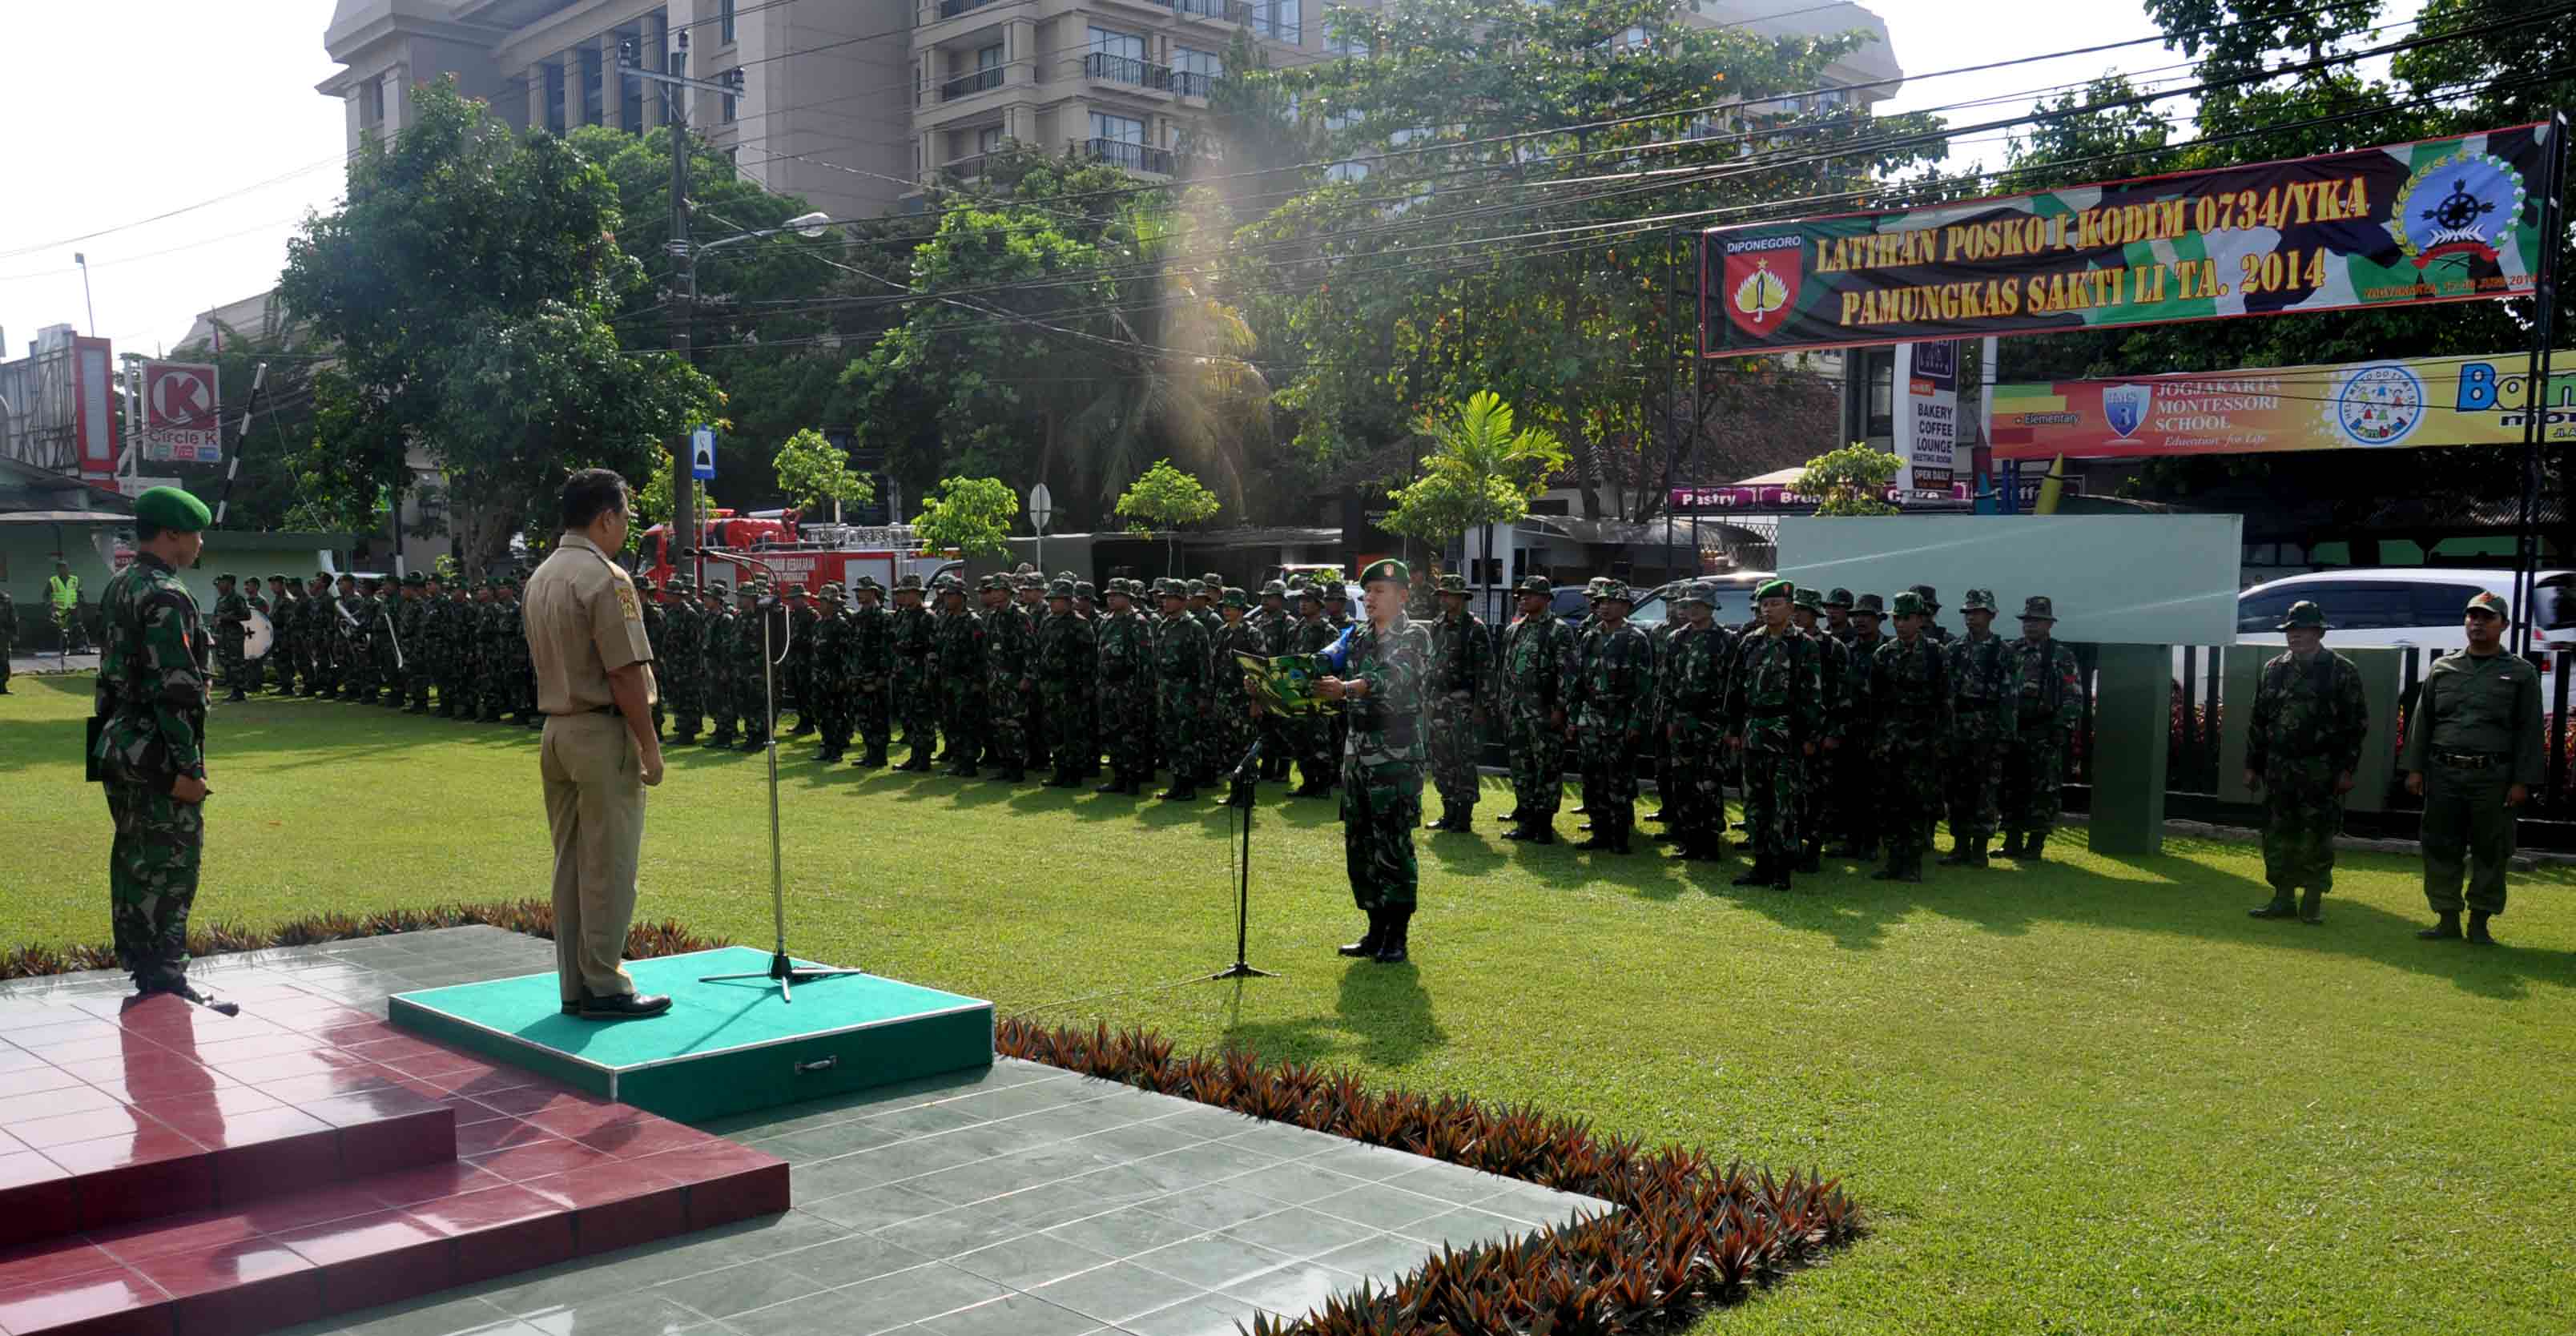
259	635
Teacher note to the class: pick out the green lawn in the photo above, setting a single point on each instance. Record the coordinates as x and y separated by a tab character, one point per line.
2092	1097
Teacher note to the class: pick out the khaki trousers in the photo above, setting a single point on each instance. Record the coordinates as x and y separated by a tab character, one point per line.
595	811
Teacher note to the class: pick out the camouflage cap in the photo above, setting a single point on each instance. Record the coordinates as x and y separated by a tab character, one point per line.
324	575
1449	583
644	582
911	580
416	580
718	588
1059	587
2304	615
1032	580
1117	588
1809	599
1024	568
682	584
1931	599
2037	608
1535	584
1334	592
1771	589
1838	598
1085	590
1979	600
993	582
1700	594
1199	588
280	579
794	589
866	584
1592	588
226	579
1066	575
1868	605
1614	592
831	592
1910	604
1171	587
1234	598
344	577
1307	593
1214	582
1274	589
2492	604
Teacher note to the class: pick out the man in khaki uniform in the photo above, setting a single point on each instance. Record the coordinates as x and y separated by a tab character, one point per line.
2474	760
594	667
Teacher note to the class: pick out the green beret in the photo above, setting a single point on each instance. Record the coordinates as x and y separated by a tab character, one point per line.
1774	589
1387	569
173	509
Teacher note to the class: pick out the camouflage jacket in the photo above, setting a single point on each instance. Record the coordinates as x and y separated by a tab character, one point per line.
151	692
1068	651
1386	720
830	651
1120	639
232	618
1225	676
1614	689
1180	653
1775	700
1538	665
2307	713
657	625
961	647
872	644
2048	688
1982	676
1462	657
1311	636
1010	645
1909	695
718	630
1699	664
1859	652
1834	677
687	628
915	639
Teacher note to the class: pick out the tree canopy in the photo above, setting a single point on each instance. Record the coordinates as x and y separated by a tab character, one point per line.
972	515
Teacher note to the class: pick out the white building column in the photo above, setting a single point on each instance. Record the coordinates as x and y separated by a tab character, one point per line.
612	85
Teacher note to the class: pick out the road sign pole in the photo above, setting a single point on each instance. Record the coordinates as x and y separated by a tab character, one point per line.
1041	509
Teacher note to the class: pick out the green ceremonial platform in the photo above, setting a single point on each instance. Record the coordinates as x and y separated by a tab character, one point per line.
724	1047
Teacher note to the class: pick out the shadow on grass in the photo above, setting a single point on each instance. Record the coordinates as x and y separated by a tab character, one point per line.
1384	1008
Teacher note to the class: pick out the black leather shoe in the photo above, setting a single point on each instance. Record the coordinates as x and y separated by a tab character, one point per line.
2446	928
1368	943
623	1007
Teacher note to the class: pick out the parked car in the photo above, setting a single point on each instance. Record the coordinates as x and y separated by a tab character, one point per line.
2402	607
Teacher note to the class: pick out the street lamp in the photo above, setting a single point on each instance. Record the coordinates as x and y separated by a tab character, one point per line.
92	307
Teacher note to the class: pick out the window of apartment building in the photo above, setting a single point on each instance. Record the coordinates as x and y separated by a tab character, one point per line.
724	20
630	108
988	139
731	107
1109	42
554	74
371	103
1279	20
1117	129
590	85
1194	71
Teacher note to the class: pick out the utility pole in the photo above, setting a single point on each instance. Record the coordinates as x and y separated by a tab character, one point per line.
684	282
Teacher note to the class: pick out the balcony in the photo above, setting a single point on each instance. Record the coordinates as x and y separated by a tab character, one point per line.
949	9
967	85
1133	157
1127	70
1234	13
1189	84
967	168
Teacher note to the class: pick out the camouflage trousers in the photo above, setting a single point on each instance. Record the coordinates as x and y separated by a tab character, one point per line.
1536	749
829	710
2031	791
1909	795
1853	774
4	660
680	701
916	704
1819	798
1453	750
1225	734
1177	726
1381	804
1033	727
1122	729
1693	785
753	704
1068	734
1318	760
1006	723
716	691
1976	772
1775	794
152	879
419	677
1609	776
2302	814
961	721
228	656
868	711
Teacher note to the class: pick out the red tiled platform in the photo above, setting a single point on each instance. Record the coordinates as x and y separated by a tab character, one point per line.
165	1169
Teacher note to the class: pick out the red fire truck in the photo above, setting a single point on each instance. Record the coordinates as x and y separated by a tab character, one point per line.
807	554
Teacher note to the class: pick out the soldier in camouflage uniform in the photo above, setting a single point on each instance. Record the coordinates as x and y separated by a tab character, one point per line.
2048	704
1087	607
1856	774
1122	649
1775	709
916	694
1983	717
1180	688
254	671
347	639
1699	662
831	669
1037	738
2300	753
1819	815
869	702
1838	613
319	631
1231	725
149	757
716	651
232	618
1933	630
796	661
1010	666
678	662
382	652
1612	702
1068	656
283	610
657	624
1462	675
418	619
961	678
8	636
1910	704
756	650
1538	674
1275	623
1311	736
1381	686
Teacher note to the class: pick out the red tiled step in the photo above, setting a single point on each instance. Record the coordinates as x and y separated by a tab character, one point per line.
114	1110
386	1237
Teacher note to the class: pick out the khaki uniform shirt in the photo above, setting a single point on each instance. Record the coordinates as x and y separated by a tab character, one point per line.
584	621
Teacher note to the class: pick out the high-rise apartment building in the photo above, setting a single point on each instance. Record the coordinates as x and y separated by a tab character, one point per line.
855	104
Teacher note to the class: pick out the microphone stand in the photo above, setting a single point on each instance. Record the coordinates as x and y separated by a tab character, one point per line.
783	968
1241	791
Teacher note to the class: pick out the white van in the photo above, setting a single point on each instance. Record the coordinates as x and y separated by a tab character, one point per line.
2406	607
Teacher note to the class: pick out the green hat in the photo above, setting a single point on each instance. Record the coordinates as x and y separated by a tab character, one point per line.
1979	600
1198	588
2037	608
324	575
1234	598
1931	600
1449	583
1169	587
280	579
416	580
2494	605
1870	604
1910	603
644	582
345	577
226	579
2304	615
1534	584
1084	589
1695	593
904	582
1838	598
718	588
1807	598
1614	592
1307	593
1335	593
992	582
1059	588
681	584
1273	589
173	509
1117	588
794	590
1386	569
1215	582
868	584
1774	589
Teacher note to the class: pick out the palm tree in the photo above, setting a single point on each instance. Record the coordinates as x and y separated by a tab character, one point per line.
1482	470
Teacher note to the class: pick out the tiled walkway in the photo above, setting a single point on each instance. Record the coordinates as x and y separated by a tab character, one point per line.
1023	1200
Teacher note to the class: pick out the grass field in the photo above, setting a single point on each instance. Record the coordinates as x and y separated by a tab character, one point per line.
2086	1098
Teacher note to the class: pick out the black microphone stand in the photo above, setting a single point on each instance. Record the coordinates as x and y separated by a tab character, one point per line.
1242	788
782	967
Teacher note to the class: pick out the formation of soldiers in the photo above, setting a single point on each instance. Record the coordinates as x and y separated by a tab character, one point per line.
449	646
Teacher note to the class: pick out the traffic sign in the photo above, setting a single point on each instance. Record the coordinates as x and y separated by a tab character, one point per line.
702	453
1041	507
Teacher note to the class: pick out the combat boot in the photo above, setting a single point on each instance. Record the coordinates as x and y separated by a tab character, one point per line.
2312	907
1010	775
1811	858
1367	944
1391	945
1602	841
1117	783
1914	866
2477	934
1510	818
1757	875
1894	871
1780	875
2445	928
827	754
2282	906
2012	844
2035	848
1966	853
1182	790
